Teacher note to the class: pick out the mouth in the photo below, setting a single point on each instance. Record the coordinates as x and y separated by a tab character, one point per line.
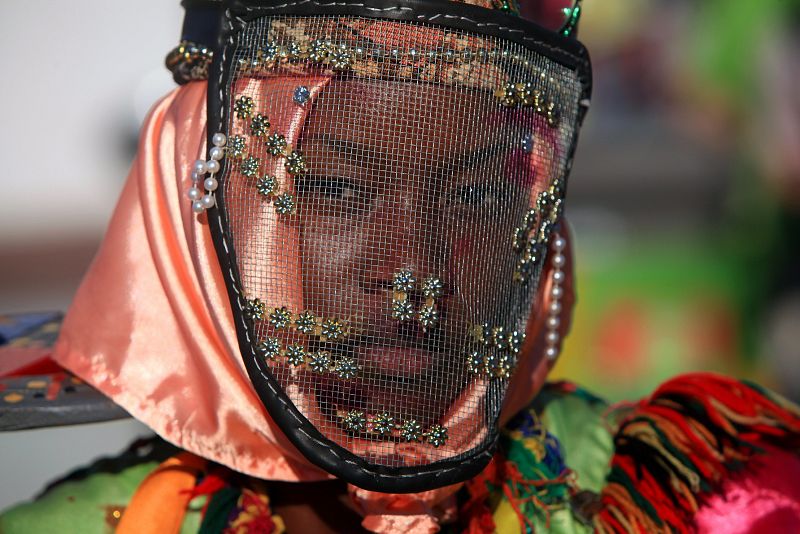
395	385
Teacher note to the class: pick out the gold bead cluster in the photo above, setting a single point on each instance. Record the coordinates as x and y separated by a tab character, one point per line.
383	424
267	187
432	288
343	57
326	329
497	355
523	94
189	61
530	238
296	355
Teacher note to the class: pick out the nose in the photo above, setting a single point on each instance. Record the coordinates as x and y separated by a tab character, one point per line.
401	234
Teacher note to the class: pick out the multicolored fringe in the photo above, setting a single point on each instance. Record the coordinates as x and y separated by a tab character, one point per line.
679	445
233	508
529	473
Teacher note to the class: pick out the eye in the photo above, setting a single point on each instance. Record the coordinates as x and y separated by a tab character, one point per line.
477	195
334	196
330	188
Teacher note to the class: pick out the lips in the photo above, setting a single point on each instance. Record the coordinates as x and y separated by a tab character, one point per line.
402	370
408	383
336	400
396	361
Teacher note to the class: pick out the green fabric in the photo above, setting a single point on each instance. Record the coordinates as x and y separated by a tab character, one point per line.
219	510
194	515
84	501
81	506
574	417
576	420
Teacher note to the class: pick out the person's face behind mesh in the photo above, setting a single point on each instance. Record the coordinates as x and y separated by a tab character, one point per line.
416	177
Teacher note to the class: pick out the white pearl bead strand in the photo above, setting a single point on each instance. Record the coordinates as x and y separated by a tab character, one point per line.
553	322
203	199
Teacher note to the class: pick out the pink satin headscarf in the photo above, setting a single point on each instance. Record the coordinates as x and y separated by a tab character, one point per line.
151	327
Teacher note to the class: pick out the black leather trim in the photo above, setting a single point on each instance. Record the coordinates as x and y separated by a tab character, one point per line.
318	449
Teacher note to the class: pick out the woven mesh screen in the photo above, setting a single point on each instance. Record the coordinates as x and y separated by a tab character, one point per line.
390	188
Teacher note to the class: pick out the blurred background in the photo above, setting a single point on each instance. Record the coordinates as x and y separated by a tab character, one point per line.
684	199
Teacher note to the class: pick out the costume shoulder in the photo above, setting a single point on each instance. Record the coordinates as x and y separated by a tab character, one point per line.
549	453
702	453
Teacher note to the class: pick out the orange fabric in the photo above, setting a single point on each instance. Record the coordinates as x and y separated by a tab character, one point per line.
151	325
159	504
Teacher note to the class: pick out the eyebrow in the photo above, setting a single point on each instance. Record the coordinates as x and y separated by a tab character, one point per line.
465	161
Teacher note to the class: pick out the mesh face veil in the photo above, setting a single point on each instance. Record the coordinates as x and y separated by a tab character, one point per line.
391	179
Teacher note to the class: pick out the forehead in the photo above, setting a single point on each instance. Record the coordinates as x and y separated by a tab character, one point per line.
420	116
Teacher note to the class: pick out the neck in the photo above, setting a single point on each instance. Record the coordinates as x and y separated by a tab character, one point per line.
319	507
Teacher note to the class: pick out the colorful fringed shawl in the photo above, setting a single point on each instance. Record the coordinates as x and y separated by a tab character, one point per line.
676	449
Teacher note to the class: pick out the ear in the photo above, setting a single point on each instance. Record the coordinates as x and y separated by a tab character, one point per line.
550	321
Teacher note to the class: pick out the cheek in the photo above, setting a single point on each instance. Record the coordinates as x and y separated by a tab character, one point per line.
328	253
481	270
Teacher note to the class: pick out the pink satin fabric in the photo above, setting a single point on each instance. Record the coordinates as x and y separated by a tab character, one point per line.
151	325
765	499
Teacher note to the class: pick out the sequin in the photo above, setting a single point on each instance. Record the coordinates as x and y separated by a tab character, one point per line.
490	364
341	59
318	51
428	316
411	430
270	348
280	317
515	340
355	421
332	329
295	355
320	361
432	287
404	281
499	339
475	362
346	368
236	146
306	322
295	163
243	107
529	219
402	310
526	94
250	166
267	186
276	144
259	126
285	204
294	51
383	424
301	95
519	239
270	52
436	435
505	364
254	309
507	95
